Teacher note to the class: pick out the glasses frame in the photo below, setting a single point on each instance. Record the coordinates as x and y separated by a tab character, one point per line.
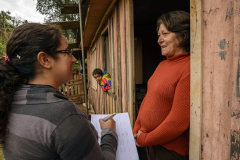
68	51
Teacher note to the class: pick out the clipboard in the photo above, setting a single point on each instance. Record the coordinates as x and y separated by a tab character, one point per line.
126	149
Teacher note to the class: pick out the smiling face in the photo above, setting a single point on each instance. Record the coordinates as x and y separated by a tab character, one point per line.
169	42
98	77
63	64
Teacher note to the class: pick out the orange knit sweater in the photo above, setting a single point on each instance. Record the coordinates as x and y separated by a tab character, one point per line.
164	114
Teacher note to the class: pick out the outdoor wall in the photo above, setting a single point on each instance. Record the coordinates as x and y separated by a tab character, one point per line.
118	28
220	80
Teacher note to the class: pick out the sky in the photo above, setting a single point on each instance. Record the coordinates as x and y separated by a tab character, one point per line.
26	9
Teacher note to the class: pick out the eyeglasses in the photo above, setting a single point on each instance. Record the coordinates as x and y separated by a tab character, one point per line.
68	51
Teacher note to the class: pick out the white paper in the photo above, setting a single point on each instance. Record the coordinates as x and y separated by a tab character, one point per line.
126	146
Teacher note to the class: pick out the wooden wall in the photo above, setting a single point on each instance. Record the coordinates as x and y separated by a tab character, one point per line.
117	100
219	112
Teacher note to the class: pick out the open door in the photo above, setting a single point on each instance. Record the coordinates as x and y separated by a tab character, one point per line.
146	49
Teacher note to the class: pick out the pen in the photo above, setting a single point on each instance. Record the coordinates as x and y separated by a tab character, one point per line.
111	116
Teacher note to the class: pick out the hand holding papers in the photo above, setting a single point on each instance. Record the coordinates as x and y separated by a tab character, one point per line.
126	146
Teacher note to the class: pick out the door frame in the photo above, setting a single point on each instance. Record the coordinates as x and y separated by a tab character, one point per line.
196	20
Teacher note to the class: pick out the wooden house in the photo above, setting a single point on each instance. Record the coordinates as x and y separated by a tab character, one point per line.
120	36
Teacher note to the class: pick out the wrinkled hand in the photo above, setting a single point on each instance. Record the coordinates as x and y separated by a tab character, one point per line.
136	137
109	124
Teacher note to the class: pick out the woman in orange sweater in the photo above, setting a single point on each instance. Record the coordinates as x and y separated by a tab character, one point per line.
163	120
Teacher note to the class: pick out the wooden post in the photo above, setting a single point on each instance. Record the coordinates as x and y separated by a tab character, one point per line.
196	80
130	43
83	57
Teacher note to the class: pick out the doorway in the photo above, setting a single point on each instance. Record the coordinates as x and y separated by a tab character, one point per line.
146	49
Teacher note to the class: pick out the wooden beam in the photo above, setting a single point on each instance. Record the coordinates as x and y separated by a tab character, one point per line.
96	12
73	45
67	25
72	8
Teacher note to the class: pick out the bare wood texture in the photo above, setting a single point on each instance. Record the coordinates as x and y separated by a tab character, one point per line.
67	25
235	110
130	52
70	8
95	13
118	33
74	90
118	59
122	22
217	68
73	45
196	80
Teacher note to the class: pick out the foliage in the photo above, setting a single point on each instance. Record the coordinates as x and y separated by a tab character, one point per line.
52	10
76	65
7	24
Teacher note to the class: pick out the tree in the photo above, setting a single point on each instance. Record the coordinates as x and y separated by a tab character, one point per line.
52	10
5	29
7	24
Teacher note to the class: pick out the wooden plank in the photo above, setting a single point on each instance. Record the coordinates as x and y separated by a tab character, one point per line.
105	106
95	14
130	51
72	86
70	8
76	85
111	105
108	105
119	74
112	95
124	69
196	20
73	45
70	89
235	109
67	25
217	80
114	106
67	87
115	41
112	56
106	110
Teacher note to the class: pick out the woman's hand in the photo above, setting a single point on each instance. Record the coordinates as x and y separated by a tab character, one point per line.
136	137
108	124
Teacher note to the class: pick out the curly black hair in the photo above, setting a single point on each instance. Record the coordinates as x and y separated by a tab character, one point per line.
23	46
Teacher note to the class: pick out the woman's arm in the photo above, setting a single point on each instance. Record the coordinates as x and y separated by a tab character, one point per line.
76	138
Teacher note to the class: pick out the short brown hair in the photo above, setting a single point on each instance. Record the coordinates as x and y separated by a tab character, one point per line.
179	23
97	71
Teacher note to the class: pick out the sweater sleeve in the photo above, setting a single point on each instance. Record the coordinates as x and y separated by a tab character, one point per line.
178	119
75	138
106	85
